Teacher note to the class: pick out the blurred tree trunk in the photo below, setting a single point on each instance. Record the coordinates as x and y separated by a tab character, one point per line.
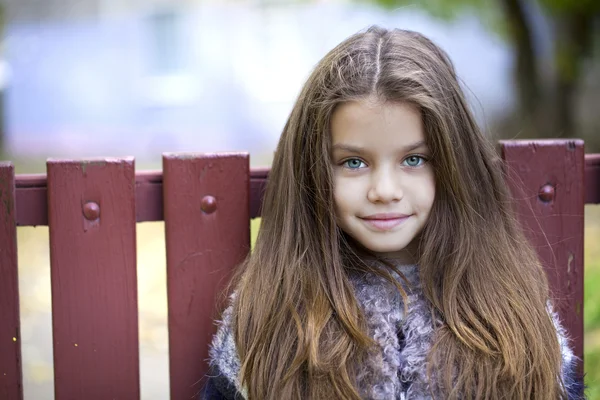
526	71
573	42
547	109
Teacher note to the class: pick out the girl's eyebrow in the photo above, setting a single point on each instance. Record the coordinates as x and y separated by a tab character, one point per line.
358	149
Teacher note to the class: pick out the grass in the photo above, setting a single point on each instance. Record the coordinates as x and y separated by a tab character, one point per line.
591	303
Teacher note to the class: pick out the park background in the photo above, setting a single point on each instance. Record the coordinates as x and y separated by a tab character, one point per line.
82	78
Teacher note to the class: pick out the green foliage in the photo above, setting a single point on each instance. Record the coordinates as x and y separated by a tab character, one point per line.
443	9
591	301
489	12
570	6
591	298
254	227
451	9
592	373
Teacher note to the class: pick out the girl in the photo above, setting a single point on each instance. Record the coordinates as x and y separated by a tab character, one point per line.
389	264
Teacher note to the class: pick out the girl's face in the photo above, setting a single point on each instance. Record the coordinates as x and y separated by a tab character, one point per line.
383	183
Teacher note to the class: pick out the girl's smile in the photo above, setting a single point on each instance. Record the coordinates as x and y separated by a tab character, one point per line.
385	222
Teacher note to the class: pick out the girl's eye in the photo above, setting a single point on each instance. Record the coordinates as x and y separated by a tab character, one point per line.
414	161
354	163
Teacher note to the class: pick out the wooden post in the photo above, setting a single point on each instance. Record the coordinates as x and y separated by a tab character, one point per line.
11	381
91	220
546	178
207	226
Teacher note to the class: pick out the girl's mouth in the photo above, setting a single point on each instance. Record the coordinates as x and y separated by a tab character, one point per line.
385	222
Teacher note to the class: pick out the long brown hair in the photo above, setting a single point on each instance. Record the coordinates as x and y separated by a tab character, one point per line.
298	329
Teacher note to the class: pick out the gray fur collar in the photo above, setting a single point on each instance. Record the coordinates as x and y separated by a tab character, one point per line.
399	371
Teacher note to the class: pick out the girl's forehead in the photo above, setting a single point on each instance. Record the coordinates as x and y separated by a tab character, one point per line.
368	125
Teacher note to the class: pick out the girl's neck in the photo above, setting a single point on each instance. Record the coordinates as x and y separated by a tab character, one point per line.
405	256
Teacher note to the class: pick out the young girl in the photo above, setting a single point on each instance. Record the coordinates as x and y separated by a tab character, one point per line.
389	264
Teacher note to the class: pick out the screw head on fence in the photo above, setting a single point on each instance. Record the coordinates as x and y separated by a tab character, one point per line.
91	211
208	204
546	193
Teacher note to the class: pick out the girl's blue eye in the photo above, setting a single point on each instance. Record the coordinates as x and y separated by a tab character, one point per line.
354	163
413	161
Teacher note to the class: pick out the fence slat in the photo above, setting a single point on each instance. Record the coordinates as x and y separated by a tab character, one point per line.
91	220
11	382
547	177
206	204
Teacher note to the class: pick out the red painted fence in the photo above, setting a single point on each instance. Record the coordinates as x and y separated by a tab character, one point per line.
206	201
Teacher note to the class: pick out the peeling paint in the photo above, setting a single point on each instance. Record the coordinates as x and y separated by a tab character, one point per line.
205	169
88	163
182	156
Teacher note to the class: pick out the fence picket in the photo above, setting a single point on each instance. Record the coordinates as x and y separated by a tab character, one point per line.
207	224
91	217
547	178
11	381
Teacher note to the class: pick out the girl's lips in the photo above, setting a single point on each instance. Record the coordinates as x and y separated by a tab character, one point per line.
385	223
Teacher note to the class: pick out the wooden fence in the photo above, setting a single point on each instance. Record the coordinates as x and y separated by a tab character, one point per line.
207	201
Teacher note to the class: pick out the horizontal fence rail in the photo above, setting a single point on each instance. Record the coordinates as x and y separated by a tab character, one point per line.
206	201
32	198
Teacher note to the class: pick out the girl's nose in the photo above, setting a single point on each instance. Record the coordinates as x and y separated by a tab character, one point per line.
385	188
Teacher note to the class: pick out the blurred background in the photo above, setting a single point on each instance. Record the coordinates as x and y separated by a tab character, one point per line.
81	78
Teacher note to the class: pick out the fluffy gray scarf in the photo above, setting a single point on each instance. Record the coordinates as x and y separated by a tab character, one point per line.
399	371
